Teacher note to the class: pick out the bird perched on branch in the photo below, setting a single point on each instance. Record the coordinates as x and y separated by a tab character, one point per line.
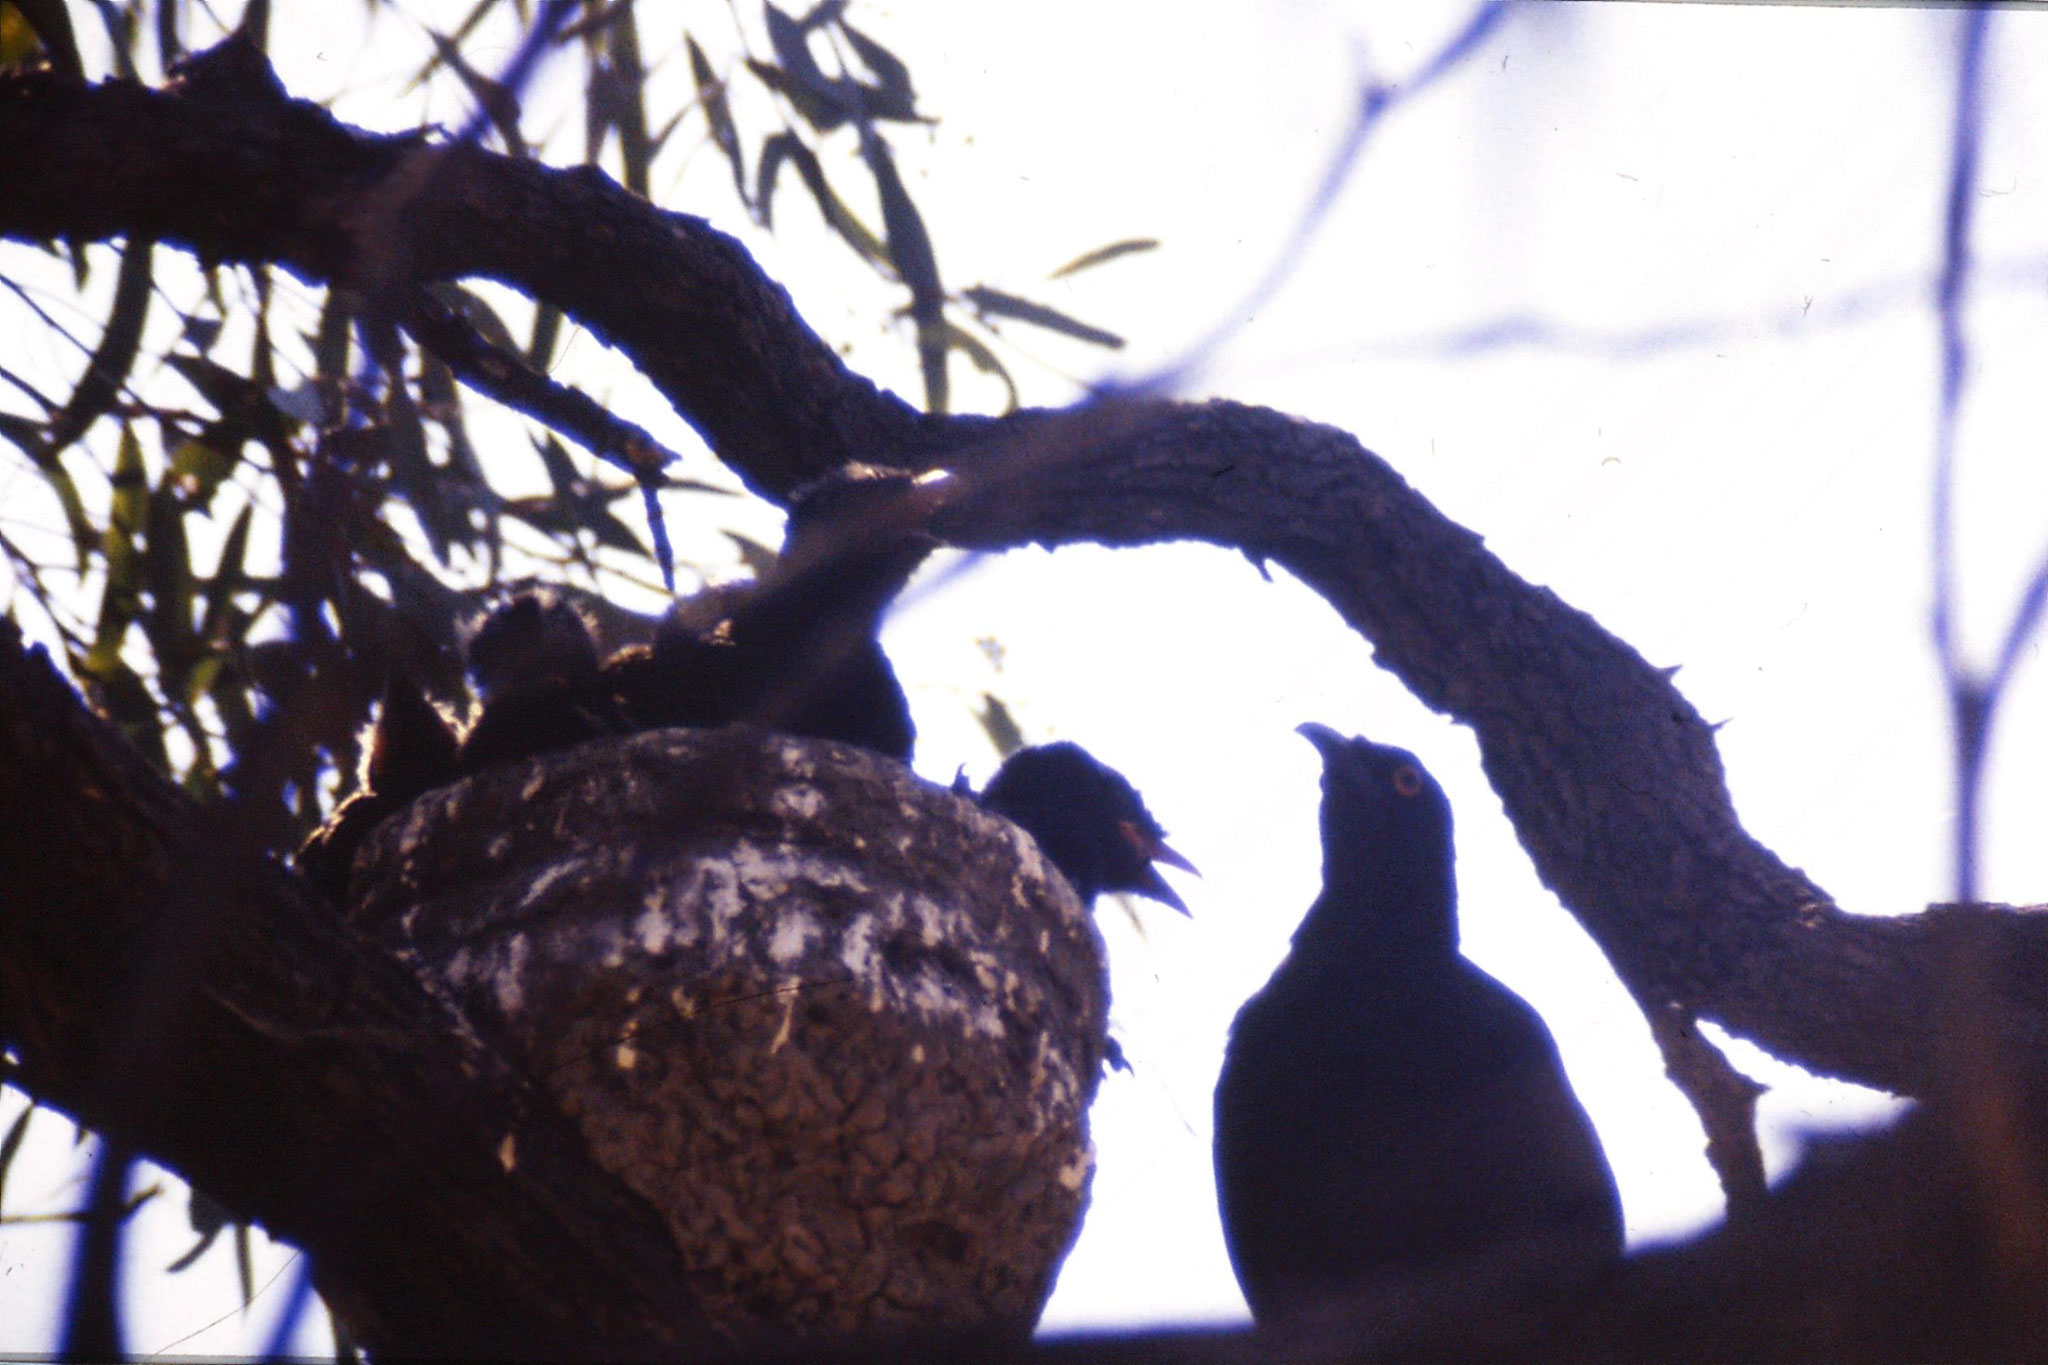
1088	820
1386	1110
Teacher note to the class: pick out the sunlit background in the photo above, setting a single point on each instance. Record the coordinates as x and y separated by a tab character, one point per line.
1641	293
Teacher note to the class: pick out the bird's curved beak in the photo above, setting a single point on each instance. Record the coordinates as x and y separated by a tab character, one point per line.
1155	850
1327	741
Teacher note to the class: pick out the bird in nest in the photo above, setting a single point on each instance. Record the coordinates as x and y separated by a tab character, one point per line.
1087	819
795	651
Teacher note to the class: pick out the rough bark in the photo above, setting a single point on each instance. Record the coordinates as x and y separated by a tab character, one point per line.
162	981
1609	775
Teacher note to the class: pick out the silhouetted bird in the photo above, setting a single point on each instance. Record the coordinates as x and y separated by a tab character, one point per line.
1387	1110
535	671
798	653
1088	819
412	750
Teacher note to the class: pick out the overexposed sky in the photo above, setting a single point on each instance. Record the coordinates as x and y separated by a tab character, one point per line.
1640	295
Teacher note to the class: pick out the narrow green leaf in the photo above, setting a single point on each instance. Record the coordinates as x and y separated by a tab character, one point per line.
221	626
224	388
791	42
51	22
121	598
167	574
561	470
475	310
413	473
612	533
130	484
330	343
114	357
774	151
893	98
28	434
245	1267
476	15
718	115
818	104
996	303
199	332
11	1144
629	100
547	326
984	360
169	48
256	23
499	104
910	251
836	214
1130	246
200	681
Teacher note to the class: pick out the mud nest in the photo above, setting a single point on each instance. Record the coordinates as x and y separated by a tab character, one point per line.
839	1025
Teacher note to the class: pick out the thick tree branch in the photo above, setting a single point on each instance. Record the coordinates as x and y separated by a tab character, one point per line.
1609	775
234	172
195	1001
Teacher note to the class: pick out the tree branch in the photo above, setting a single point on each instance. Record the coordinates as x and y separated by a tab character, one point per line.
232	171
194	1000
1608	774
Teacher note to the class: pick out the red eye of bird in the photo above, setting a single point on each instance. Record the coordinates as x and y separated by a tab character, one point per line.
1407	780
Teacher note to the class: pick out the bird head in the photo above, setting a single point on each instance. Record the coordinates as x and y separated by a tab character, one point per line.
1088	820
532	639
1386	832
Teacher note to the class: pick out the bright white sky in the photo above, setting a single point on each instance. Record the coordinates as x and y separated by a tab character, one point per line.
1721	222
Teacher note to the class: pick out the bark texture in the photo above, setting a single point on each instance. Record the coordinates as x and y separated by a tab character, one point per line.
162	980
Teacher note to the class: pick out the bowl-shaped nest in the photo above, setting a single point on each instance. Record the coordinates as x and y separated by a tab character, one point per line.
839	1025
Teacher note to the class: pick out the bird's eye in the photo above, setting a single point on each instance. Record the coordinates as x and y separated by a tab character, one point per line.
1408	780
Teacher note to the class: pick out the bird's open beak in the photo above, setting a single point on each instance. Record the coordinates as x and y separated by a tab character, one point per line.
1162	854
1155	886
1155	850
